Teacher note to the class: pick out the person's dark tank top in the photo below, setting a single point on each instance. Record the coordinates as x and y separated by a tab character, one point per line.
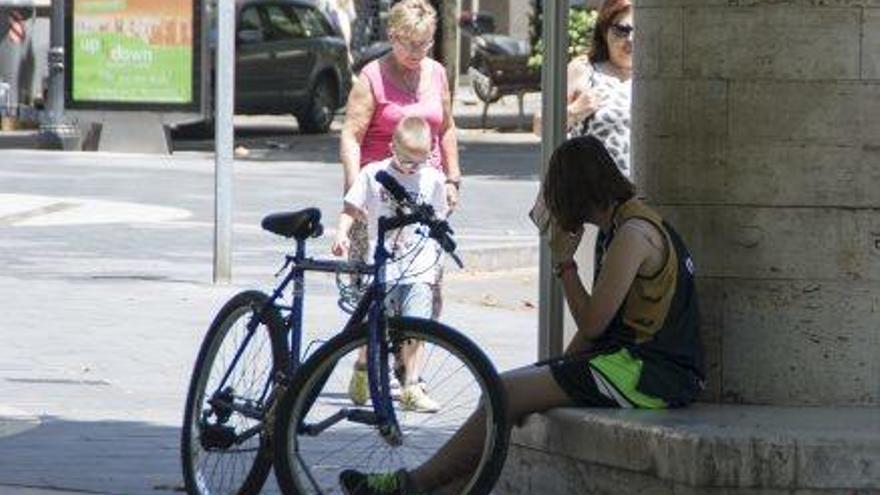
659	319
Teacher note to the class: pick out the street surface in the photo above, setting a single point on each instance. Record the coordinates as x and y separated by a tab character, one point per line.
106	289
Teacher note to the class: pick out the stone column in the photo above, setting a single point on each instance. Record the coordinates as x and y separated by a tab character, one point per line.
757	133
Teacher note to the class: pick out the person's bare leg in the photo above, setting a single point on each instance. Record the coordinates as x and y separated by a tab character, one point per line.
411	353
362	357
529	390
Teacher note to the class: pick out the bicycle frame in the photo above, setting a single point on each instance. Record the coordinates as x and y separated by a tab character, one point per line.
371	307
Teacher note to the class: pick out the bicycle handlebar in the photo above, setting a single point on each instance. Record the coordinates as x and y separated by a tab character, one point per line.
438	229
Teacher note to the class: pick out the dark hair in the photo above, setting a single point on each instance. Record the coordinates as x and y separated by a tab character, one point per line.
582	179
607	13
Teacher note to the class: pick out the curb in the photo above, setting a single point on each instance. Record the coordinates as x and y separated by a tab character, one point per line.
27	139
14	421
497	258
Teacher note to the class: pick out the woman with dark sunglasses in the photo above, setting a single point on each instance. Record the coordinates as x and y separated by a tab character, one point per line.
599	83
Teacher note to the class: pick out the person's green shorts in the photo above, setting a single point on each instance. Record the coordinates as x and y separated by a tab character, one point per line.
603	380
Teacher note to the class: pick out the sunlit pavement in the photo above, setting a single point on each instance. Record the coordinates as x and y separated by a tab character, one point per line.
106	292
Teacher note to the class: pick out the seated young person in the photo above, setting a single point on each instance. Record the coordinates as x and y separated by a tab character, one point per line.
637	342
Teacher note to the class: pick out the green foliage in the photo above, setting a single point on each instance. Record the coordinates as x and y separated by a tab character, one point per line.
581	23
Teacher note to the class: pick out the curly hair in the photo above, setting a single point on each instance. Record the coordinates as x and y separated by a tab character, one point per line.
412	17
583	179
607	13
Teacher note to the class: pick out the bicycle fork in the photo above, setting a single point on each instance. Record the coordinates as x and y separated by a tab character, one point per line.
377	371
382	415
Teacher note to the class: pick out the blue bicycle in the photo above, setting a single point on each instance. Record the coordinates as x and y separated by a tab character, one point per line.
253	404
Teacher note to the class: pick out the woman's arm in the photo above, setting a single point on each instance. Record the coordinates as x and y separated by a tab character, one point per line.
449	147
630	250
581	101
358	114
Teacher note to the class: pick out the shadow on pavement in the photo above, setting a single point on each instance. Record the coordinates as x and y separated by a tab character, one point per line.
112	457
487	153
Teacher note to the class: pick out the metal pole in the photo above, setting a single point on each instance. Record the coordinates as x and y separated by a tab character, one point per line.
54	131
223	139
451	10
555	34
56	64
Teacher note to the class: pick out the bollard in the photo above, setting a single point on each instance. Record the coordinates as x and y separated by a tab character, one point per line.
5	106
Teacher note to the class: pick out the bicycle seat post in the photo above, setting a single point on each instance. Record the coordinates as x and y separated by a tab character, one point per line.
298	290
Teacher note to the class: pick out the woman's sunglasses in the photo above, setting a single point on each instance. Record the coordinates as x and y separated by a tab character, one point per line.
622	31
415	47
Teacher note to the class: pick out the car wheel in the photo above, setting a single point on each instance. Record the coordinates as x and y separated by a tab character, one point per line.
319	113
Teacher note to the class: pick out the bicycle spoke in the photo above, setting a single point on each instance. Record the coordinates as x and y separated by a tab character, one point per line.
225	436
450	380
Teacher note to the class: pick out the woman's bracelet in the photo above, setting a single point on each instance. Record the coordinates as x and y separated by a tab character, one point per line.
455	182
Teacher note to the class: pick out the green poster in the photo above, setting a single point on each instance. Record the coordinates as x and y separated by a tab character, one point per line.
132	51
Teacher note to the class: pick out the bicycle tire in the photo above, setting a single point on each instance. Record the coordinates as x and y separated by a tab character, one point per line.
296	478
258	460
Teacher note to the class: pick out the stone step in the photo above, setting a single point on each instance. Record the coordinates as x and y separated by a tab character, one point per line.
704	449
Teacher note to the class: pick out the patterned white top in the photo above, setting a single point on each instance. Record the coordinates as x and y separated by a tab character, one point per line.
611	123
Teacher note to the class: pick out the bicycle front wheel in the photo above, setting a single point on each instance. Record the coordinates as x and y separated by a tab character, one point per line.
320	432
224	442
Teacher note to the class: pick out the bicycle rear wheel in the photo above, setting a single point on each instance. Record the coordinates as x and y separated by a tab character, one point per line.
224	444
313	444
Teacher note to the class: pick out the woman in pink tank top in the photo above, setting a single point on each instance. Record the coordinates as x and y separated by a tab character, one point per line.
403	83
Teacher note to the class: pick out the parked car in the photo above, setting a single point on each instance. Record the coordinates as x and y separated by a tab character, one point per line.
289	59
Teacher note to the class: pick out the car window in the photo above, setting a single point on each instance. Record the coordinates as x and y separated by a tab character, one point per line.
283	24
316	25
250	20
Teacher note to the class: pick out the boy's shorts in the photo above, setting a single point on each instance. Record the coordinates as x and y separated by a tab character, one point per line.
415	300
602	380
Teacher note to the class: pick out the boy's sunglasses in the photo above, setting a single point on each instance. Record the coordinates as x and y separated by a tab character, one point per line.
409	164
622	31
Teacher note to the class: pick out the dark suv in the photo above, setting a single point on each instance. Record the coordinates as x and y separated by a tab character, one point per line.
289	59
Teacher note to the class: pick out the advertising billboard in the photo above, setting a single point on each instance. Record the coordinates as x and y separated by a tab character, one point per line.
133	54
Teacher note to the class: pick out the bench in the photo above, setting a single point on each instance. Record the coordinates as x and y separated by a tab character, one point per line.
704	449
503	75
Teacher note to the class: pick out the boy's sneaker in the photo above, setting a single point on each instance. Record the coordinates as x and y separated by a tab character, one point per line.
359	387
414	398
357	483
394	385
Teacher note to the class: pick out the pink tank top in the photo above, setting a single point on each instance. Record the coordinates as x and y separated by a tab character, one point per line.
392	104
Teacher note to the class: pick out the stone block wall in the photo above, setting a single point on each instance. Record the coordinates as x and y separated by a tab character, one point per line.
757	133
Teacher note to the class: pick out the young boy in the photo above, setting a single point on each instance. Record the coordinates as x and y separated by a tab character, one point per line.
411	271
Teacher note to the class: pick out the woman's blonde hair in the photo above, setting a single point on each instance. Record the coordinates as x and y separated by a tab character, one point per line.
416	18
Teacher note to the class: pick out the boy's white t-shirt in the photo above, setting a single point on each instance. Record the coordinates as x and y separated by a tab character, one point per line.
415	256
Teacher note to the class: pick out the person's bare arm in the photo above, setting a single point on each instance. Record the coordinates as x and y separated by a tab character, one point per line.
630	250
581	102
346	219
449	147
358	113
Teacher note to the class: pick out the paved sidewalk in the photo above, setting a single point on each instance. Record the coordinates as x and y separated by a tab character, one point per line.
106	294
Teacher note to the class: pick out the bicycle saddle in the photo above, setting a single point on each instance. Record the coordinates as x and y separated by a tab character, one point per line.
297	224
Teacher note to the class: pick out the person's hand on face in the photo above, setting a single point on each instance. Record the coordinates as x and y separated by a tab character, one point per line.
563	244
